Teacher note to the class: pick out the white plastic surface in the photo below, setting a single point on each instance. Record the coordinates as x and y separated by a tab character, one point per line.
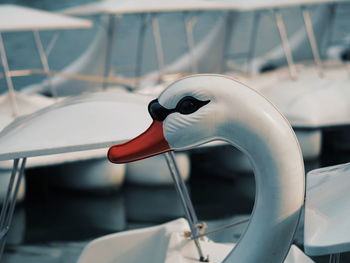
327	224
90	121
161	244
60	158
310	101
18	18
142	6
27	103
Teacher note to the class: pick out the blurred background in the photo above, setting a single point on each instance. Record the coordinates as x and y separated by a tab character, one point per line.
57	216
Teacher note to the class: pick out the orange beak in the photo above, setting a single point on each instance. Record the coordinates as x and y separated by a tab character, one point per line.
149	143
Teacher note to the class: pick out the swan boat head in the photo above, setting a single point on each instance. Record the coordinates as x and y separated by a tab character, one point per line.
202	108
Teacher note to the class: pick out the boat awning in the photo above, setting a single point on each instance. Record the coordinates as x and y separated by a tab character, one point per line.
85	122
150	6
19	18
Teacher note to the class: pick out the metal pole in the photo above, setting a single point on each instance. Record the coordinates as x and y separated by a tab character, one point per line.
284	39
158	45
329	35
52	43
140	46
185	200
44	61
109	49
189	23
8	194
334	258
10	201
252	43
312	40
228	34
171	161
11	90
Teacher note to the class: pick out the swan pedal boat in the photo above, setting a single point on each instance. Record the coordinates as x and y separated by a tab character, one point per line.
193	111
202	108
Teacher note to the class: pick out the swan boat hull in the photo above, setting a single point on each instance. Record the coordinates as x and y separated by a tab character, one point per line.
327	211
162	244
311	103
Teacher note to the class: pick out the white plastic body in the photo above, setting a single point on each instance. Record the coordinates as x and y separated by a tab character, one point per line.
27	104
244	118
310	101
327	225
161	244
19	18
127	7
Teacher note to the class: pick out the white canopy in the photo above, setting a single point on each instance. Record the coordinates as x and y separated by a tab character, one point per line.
327	206
27	103
85	122
147	6
18	18
310	101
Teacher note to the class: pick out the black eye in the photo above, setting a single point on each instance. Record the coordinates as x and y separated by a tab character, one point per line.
188	105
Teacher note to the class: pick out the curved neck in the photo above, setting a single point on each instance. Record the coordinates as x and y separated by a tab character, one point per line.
272	146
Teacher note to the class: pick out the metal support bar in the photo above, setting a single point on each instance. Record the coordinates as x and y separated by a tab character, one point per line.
44	61
252	42
329	39
109	49
222	228
329	35
185	200
170	158
9	203
52	44
158	45
140	46
228	34
312	39
11	90
189	23
284	39
334	258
